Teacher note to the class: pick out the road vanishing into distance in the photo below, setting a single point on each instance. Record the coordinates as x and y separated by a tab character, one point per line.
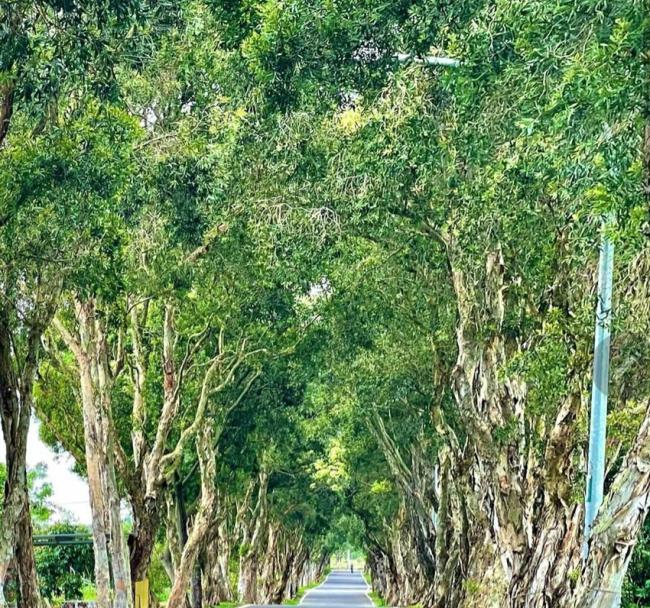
340	590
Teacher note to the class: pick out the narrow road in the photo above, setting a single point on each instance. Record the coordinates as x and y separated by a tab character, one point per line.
340	590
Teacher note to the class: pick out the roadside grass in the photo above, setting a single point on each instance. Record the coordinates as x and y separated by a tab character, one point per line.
377	600
301	592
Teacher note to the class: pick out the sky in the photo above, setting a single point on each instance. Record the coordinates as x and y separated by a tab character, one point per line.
70	492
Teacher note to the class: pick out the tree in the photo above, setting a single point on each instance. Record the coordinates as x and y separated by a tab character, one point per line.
296	279
42	60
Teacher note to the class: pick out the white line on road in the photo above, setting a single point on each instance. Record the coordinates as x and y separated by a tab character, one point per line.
310	590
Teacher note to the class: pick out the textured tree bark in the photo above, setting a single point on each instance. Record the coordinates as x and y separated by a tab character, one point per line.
506	528
176	532
15	412
617	528
29	592
207	463
196	586
385	580
303	572
247	580
15	427
142	539
91	352
281	552
216	576
96	470
123	594
251	540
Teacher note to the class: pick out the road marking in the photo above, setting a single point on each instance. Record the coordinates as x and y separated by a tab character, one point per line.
310	590
368	589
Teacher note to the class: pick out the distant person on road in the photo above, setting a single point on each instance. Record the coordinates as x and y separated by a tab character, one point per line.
351	568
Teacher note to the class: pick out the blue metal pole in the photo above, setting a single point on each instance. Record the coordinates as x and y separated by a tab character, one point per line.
599	391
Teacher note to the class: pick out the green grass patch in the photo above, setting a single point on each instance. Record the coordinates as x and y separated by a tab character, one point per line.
301	592
377	600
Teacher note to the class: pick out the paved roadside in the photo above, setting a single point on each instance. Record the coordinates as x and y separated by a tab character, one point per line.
340	590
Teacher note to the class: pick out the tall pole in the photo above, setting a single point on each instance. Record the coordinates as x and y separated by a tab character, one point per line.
599	389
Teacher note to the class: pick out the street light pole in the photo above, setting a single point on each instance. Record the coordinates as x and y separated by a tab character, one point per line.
599	390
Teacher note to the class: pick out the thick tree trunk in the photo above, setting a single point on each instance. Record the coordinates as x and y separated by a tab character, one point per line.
15	499
207	463
26	565
91	352
123	594
216	575
247	580
196	586
252	539
15	413
142	539
279	556
95	471
617	528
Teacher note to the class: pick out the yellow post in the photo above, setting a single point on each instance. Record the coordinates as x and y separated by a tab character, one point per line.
142	594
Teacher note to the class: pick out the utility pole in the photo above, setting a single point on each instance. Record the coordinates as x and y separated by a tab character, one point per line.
599	388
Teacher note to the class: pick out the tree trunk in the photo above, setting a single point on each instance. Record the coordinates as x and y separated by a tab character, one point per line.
617	528
196	586
142	539
251	541
247	581
207	464
15	413
91	352
123	594
95	471
26	565
216	575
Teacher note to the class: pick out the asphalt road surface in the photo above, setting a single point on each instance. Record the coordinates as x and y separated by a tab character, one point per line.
340	590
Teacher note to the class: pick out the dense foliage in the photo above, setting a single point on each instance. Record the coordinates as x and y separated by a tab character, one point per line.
280	292
64	570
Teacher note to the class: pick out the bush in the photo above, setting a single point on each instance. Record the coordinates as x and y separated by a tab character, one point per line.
64	570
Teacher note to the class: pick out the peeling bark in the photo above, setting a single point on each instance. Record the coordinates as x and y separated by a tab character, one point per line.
216	575
207	463
16	393
496	524
252	529
96	378
617	528
29	592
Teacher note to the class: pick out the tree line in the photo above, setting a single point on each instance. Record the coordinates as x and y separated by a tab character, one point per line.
274	289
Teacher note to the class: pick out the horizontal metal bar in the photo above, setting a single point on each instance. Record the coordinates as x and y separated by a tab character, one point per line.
41	540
